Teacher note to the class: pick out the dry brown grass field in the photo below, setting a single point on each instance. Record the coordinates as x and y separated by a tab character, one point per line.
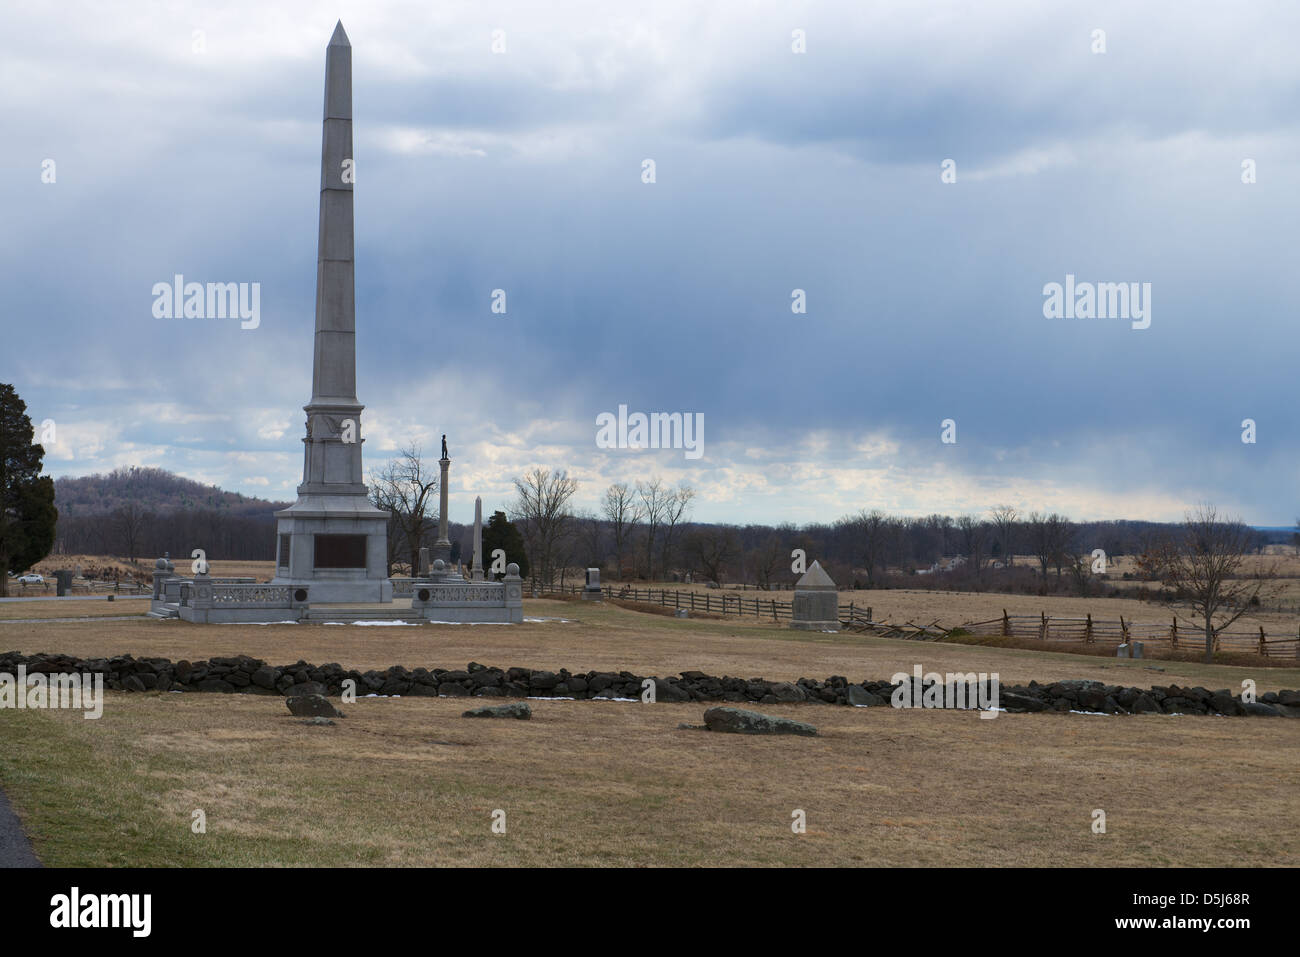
406	781
143	567
952	608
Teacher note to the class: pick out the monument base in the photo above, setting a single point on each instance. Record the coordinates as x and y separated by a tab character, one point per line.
336	546
815	625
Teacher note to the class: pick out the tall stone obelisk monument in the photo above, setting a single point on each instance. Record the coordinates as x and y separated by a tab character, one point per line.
332	539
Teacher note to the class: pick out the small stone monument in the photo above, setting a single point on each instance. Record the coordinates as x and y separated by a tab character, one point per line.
477	572
816	602
591	591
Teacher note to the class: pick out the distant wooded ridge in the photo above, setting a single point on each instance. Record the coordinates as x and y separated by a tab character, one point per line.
144	512
151	489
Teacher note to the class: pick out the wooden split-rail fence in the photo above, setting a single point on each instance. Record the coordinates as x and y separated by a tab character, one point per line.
1041	627
1091	630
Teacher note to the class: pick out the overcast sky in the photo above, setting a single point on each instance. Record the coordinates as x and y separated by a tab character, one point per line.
199	154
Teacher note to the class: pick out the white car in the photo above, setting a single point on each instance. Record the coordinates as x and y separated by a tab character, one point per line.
32	579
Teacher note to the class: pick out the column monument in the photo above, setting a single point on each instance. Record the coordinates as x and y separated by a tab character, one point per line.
332	539
442	547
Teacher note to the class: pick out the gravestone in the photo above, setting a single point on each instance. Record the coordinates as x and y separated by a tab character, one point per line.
591	591
816	602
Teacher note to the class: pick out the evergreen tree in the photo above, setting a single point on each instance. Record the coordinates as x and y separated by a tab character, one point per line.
27	513
501	533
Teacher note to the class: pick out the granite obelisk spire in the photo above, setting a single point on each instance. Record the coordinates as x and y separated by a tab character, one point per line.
332	538
477	573
334	366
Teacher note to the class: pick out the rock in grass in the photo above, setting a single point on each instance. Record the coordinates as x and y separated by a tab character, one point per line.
740	721
319	722
516	709
860	697
1260	710
312	706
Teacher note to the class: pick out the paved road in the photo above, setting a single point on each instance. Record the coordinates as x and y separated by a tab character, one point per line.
15	849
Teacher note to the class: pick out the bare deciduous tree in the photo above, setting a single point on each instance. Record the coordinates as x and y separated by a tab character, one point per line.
542	509
1204	565
870	532
1049	537
1004	520
769	557
654	499
974	542
623	512
712	548
590	535
676	505
129	521
408	492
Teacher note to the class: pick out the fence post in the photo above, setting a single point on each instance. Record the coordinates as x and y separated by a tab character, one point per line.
1006	624
692	601
774	618
1087	633
1173	633
1123	630
1262	649
870	614
1042	628
677	598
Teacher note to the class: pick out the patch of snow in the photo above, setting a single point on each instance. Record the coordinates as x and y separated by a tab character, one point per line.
375	624
564	620
432	621
258	623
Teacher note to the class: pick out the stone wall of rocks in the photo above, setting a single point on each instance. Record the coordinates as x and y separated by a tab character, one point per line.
253	676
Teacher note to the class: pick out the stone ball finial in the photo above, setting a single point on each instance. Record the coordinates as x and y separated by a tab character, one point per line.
513	569
161	564
439	565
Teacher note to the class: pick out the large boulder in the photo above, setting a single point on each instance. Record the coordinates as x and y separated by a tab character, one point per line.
786	692
1144	704
740	721
860	697
1022	702
516	709
304	688
668	691
1261	710
312	706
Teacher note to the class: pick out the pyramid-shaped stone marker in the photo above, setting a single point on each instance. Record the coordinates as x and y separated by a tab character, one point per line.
816	602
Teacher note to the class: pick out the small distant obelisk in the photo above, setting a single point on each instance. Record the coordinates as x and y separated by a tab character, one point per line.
442	547
477	573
